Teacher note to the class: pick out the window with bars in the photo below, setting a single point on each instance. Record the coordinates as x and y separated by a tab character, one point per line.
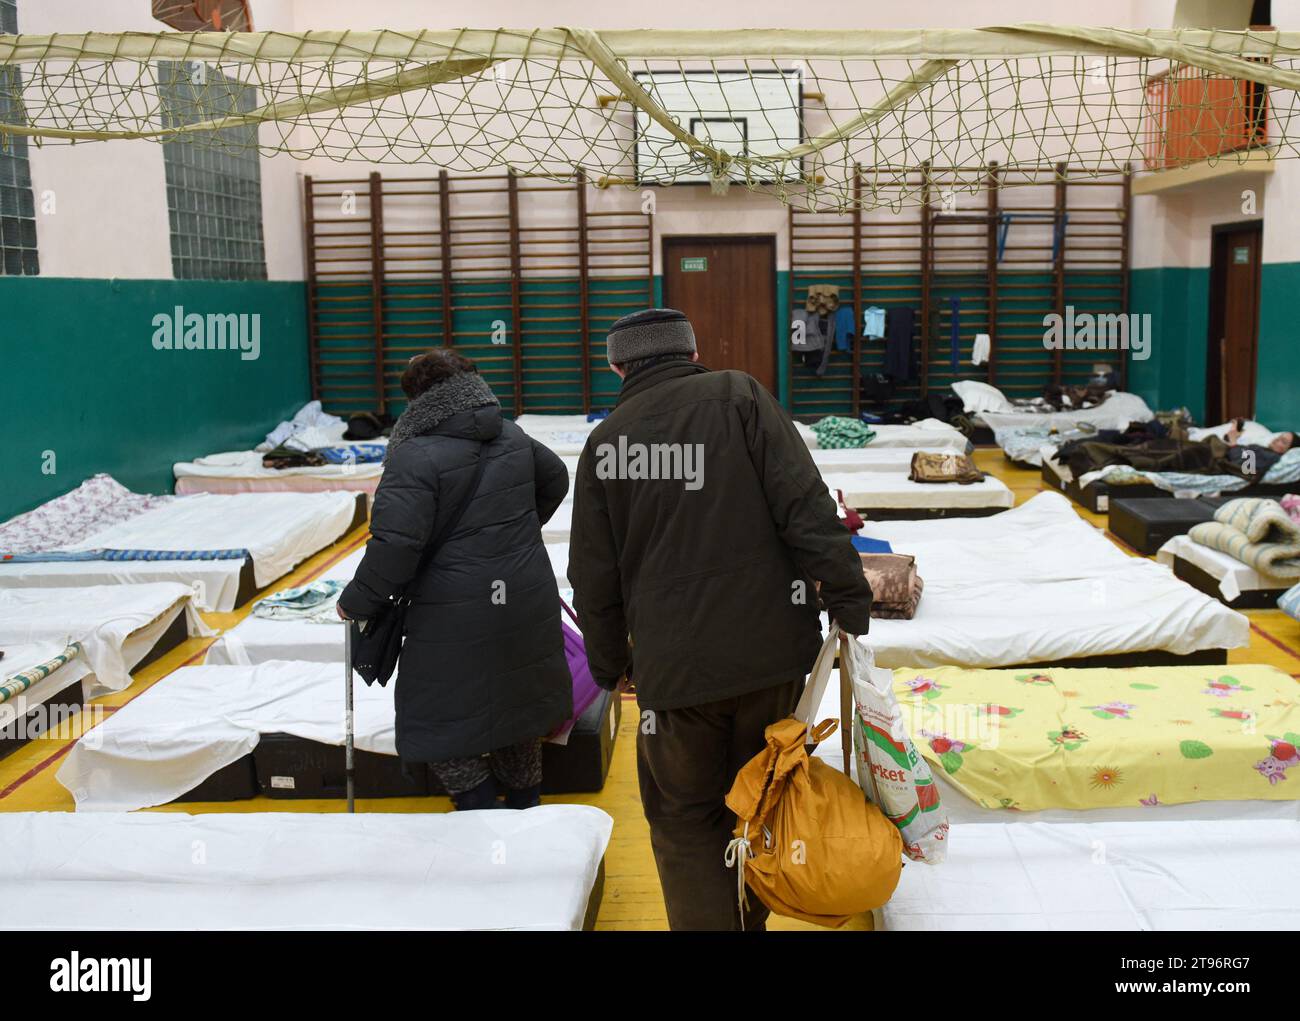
18	256
214	192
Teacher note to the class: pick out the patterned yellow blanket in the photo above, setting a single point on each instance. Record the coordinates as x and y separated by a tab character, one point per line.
1257	532
1102	738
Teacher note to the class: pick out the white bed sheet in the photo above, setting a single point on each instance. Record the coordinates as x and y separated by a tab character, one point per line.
116	626
1118	411
1234	576
1039	584
280	530
215	583
200	719
247	464
1116	876
291	870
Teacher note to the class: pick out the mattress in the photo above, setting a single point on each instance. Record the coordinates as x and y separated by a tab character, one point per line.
279	530
896	460
879	490
1109	876
1234	577
1107	868
567	434
1117	411
1023	741
303	871
117	626
175	735
1038	584
241	471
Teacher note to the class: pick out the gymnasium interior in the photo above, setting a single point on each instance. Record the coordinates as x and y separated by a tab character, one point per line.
1017	274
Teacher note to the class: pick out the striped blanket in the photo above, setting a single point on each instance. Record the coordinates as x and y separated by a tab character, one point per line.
76	556
1255	531
18	683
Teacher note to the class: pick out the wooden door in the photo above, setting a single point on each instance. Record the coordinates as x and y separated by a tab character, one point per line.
727	288
1234	321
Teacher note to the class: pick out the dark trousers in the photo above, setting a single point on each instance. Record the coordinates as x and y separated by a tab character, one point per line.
687	760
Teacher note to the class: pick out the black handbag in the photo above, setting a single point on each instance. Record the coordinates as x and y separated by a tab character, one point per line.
377	642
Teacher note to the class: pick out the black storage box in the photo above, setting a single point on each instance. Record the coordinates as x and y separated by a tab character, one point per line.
582	765
293	767
234	782
1147	524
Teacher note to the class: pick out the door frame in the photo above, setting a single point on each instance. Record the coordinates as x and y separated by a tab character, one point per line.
770	240
1214	317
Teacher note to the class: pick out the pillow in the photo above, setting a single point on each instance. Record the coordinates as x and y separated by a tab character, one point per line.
976	396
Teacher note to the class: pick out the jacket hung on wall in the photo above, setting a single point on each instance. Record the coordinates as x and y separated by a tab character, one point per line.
483	663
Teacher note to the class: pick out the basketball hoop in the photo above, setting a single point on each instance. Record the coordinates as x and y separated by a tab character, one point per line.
719	184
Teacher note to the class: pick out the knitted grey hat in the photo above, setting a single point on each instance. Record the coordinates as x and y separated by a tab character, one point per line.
652	331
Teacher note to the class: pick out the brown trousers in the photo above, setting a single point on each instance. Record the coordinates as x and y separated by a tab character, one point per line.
687	760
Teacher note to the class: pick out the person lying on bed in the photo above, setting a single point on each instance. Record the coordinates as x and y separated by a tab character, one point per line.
482	676
1209	456
1253	459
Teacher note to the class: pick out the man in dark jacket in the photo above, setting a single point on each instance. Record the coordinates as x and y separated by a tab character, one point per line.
483	675
700	527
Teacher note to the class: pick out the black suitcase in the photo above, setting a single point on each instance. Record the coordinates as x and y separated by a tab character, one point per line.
1147	524
582	765
293	767
234	782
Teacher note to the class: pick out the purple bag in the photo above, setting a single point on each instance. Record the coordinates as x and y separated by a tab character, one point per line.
585	688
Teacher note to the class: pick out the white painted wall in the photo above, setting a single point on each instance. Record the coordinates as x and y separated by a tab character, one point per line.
110	217
109	199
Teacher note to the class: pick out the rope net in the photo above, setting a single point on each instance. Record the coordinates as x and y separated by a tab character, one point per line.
790	113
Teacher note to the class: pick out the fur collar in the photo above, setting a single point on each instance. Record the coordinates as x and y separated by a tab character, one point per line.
422	416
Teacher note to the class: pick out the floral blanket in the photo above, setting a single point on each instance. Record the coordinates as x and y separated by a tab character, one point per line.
98	502
1100	738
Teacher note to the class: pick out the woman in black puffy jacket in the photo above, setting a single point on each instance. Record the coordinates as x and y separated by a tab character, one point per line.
482	676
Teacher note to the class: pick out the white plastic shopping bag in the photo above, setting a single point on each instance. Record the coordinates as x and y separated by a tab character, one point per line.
889	769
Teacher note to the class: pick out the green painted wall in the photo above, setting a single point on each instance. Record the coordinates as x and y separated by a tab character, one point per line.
1277	388
80	377
1178	300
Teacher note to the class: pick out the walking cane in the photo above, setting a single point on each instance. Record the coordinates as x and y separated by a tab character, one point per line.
349	767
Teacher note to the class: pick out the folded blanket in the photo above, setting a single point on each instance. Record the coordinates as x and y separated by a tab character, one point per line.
840	433
944	467
901	611
1257	532
895	587
77	556
20	682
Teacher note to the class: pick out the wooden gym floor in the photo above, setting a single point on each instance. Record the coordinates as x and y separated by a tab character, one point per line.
632	899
